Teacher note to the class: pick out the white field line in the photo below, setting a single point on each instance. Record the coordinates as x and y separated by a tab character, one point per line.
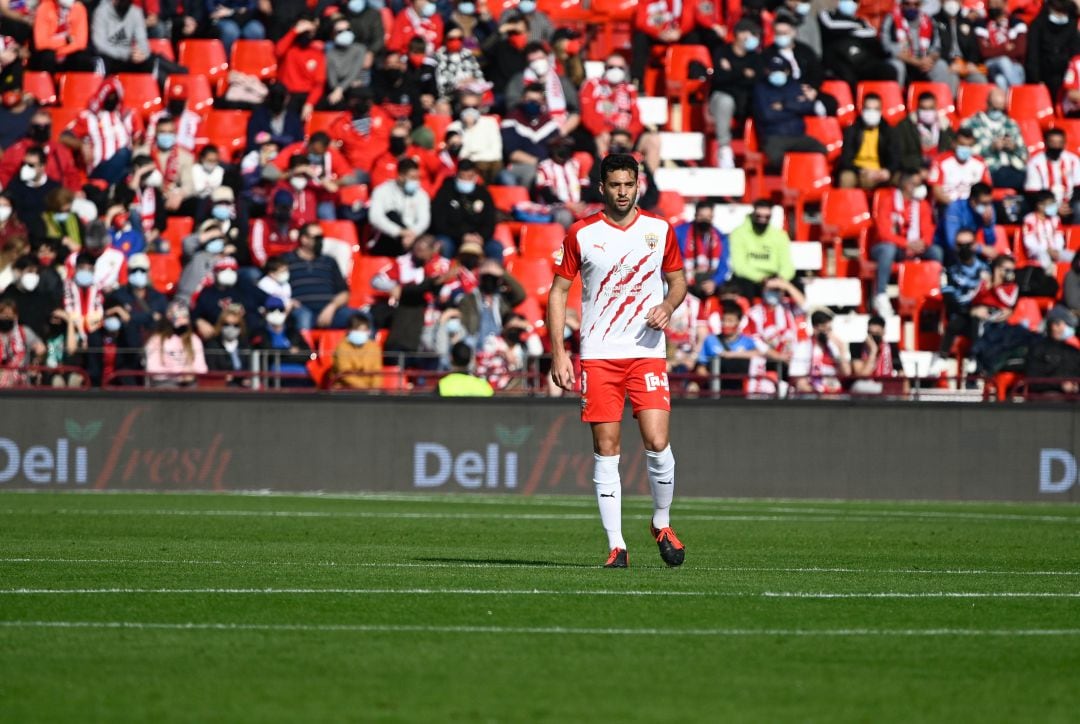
538	630
527	566
529	592
795	515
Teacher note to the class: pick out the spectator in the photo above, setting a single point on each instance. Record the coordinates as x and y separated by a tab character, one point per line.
228	348
234	19
775	320
481	139
805	64
1061	327
201	250
910	37
974	214
358	358
106	131
174	354
410	285
759	251
20	346
460	383
495	296
609	103
109	263
58	221
16	108
121	234
539	29
457	68
287	351
1070	286
293	200
317	283
964	279
852	51
732	353
143	305
477	26
1003	44
302	67
14	241
503	53
84	304
1052	41
399	211
176	164
559	182
61	35
275	283
348	64
207	177
29	190
502	358
1044	244
998	141
923	135
875	358
226	290
1057	170
16	20
147	203
119	36
780	104
669	22
275	120
705	252
959	47
365	19
798	13
955	173
59	162
995	299
186	122
905	230
363	133
324	167
406	85
829	359
868	159
33	300
557	92
463	212
526	134
418	19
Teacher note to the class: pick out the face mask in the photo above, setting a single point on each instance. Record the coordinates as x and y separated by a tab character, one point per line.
981	209
416	59
27	174
531	109
61	216
181	329
540	66
751	43
614	76
702	226
1068	333
429	10
778	78
275	318
282	277
226	277
927	116
919	193
29	281
411	187
965	253
910	14
453	327
465	187
847	7
1051	210
230	332
513	336
771	297
1054	153
995	114
357	6
469	261
138	278
454	150
454	45
1009	276
221	213
1058	19
67	3
527	6
5	213
871	118
517	40
6	325
303	40
215	246
467	8
759	226
153	179
345	38
112	325
803	9
784	41
995	13
298	182
963	154
952	8
166	141
359	337
111	102
84	278
40	133
489	283
209	167
397	145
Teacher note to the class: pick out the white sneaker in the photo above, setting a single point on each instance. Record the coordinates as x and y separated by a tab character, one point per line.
725	158
883	306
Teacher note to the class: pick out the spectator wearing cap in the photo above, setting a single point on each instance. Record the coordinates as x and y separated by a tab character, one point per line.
201	249
609	103
366	22
228	288
317	283
418	19
526	134
186	121
61	35
358	357
540	28
176	164
119	36
275	120
911	39
324	167
503	53
363	132
29	189
34	300
228	349
559	182
174	354
667	22
851	49
738	68
780	104
286	351
559	94
460	382
348	64
59	161
144	305
456	67
234	19
1061	326
869	158
463	212
481	139
302	67
399	212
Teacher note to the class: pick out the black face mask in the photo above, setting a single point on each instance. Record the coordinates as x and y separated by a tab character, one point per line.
965	253
560	156
176	108
702	226
40	133
619	148
513	336
470	262
1054	153
182	329
359	108
877	339
122	7
111	102
303	40
453	150
397	145
995	13
275	100
759	227
282	213
6	325
822	339
489	283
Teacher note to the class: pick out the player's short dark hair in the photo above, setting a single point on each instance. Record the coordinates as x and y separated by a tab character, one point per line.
460	354
981	189
618	162
1041	197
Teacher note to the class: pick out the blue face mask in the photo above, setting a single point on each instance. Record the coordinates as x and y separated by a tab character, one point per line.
778	78
216	246
527	6
847	7
467	8
166	141
412	186
465	187
995	114
429	10
910	14
357	6
783	41
61	216
138	278
751	43
84	278
359	337
112	325
963	154
1051	210
221	213
771	297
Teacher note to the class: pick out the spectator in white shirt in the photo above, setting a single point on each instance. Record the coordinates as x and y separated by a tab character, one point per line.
1044	243
1058	171
399	212
954	173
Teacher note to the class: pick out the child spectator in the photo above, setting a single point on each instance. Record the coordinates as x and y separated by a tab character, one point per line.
358	357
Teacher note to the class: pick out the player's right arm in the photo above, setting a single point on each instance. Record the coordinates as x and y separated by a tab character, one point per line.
562	369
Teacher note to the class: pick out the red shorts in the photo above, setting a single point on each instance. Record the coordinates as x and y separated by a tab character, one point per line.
606	382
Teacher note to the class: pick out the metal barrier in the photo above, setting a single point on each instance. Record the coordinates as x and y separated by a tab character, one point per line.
41	377
235	381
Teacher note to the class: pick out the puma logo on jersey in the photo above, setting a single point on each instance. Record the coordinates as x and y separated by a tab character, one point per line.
601	245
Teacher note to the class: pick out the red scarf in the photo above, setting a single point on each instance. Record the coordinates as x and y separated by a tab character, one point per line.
171	172
925	33
13	348
700	250
884	366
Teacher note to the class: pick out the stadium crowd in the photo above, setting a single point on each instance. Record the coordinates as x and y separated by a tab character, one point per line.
341	185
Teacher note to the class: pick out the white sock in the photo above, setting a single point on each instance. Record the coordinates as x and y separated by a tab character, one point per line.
662	483
609	497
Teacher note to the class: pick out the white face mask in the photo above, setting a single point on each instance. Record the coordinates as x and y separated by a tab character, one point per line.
919	193
614	76
298	182
871	118
282	277
29	281
359	337
154	180
952	8
540	66
112	325
5	213
275	318
138	278
230	332
226	277
27	174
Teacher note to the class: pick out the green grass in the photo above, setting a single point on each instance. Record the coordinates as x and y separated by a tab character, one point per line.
471	609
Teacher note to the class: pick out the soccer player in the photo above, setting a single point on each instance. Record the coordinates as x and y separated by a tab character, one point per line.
625	257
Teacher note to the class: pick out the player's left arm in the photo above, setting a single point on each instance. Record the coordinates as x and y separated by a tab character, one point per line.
659	316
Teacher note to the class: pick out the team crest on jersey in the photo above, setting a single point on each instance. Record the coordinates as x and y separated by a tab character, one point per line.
652	240
558	255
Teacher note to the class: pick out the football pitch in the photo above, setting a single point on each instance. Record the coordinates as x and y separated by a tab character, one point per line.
245	608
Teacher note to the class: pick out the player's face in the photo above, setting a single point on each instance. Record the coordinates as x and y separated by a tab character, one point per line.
620	190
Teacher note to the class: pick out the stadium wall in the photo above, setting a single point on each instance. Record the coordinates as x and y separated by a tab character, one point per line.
340	443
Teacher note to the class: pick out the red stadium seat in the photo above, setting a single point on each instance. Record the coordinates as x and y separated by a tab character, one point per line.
206	57
505	197
941	92
320	121
141	92
62	118
918	282
342	229
162	47
844	215
200	99
254	57
567	14
1071	126
438	124
804	178
39	84
361	293
671	206
679	86
1032	133
1072	238
827	131
616	20
164	272
541	241
176	228
1031	102
534	274
892	100
76	89
753	162
227	130
841	91
971	99
355	196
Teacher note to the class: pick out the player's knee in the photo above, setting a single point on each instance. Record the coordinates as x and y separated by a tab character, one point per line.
606	448
656	442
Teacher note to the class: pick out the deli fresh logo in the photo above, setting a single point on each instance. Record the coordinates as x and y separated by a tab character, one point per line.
435	464
1057	470
62	463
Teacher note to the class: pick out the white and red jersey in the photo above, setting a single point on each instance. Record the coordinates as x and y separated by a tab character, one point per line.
606	107
686	325
1071	82
622	274
1040	236
108	132
564	179
1058	177
403	270
958	178
187	128
776	326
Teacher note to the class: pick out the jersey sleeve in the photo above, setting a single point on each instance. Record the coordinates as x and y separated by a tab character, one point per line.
570	262
673	260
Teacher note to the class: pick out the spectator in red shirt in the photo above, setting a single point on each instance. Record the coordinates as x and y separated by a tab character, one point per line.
905	230
327	170
302	66
271	236
609	103
61	35
105	133
667	22
363	132
418	19
59	161
302	200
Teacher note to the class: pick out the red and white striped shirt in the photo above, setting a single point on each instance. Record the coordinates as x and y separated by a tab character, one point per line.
565	180
1040	236
957	178
1058	177
1070	83
187	128
776	326
107	131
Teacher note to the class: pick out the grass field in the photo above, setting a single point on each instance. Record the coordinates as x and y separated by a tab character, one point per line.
160	608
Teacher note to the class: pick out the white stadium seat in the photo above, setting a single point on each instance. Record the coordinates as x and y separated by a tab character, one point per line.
729	182
807	255
851	328
837	292
682	146
653	110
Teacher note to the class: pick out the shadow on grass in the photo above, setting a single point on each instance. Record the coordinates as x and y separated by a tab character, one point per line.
506	562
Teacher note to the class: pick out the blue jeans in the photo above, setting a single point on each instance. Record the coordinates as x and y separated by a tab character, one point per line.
306	317
114	169
1005	72
886	254
448	248
229	31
